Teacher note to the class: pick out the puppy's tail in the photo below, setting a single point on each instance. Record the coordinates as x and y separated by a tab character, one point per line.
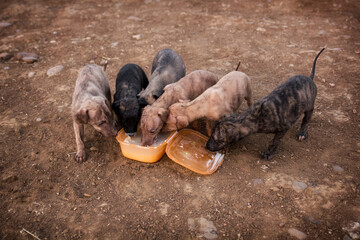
238	66
313	69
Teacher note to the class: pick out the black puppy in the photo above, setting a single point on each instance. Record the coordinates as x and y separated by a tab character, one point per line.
130	81
275	113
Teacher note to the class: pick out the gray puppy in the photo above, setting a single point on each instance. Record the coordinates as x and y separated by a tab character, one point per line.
275	113
167	67
91	105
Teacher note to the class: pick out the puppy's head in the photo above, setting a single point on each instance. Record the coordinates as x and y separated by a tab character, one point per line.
224	133
151	123
97	113
128	112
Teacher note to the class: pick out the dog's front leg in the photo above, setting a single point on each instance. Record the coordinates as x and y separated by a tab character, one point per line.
80	147
273	145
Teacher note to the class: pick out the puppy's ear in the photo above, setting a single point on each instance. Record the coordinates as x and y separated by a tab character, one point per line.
82	116
181	122
163	114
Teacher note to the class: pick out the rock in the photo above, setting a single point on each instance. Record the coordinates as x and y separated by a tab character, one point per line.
332	84
38	119
29	59
31	74
337	168
299	186
5	24
54	70
354	111
94	149
5	56
114	44
137	36
26	57
258	181
296	233
259	29
52	41
134	18
6	68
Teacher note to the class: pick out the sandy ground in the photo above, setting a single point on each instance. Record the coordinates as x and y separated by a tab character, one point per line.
308	190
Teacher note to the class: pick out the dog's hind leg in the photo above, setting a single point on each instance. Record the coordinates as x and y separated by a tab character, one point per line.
273	145
302	135
79	137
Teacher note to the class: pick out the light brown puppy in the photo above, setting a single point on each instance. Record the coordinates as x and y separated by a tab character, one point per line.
91	105
187	88
216	102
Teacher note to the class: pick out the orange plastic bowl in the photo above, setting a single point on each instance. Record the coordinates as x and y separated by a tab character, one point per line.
132	149
187	148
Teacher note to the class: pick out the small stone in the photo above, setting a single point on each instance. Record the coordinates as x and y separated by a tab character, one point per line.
354	111
22	55
137	36
5	24
259	29
291	65
94	149
52	41
54	70
332	84
38	119
114	44
6	68
103	62
29	59
5	56
134	18
258	181
299	186
31	74
337	168
87	195
296	233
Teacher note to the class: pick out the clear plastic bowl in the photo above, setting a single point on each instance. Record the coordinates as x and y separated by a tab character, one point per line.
187	148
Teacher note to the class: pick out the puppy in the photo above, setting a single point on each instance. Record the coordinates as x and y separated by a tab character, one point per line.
218	101
91	105
130	80
167	67
187	88
275	113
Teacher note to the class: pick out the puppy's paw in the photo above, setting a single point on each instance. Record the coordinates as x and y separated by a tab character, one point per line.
301	136
266	155
80	157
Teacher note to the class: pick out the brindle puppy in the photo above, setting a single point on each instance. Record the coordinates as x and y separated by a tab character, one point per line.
275	113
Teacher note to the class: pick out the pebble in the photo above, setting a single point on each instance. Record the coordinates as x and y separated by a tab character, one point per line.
337	168
38	119
5	24
6	68
259	29
5	56
114	44
134	18
26	57
137	36
52	41
332	84
258	181
54	70
296	233
31	74
299	186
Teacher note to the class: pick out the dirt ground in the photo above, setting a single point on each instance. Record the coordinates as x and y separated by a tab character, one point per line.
308	190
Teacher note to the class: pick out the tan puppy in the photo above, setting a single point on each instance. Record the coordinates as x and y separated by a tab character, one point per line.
187	88
91	105
216	102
